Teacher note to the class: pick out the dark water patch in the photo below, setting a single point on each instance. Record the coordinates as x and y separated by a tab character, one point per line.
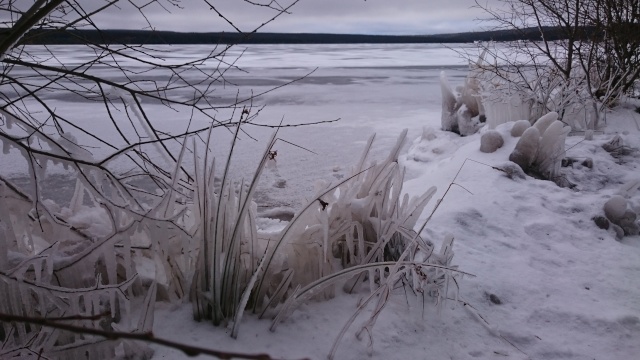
408	67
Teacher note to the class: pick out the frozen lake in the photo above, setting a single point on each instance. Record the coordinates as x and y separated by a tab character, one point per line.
371	88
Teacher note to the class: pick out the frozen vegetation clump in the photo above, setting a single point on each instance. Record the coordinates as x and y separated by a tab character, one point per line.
512	92
363	220
357	236
153	218
462	111
93	259
541	148
526	149
619	210
50	269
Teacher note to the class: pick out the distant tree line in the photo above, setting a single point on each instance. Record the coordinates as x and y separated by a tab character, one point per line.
76	36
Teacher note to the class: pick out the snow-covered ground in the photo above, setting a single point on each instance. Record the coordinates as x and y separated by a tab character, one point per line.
548	284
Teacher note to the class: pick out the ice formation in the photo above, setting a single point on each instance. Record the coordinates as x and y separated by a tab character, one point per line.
491	141
519	127
622	216
545	121
526	149
460	112
501	108
541	148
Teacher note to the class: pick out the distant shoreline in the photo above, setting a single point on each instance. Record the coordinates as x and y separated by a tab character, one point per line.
70	37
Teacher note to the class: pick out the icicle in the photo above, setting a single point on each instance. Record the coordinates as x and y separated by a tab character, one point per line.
113	298
78	197
6	146
37	269
128	263
88	304
109	255
4	247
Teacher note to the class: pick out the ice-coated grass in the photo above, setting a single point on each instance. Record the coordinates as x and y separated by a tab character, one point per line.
198	241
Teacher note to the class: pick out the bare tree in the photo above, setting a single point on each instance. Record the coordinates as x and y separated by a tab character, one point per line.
615	42
587	54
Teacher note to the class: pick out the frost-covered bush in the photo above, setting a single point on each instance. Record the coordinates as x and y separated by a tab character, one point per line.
366	219
526	150
360	234
462	111
541	148
54	270
510	90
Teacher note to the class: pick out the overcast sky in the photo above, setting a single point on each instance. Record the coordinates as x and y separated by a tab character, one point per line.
317	16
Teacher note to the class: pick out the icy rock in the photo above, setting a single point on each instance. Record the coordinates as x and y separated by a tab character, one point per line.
628	223
613	144
280	184
618	230
601	222
563	182
615	208
491	141
588	162
623	219
545	121
495	299
526	149
616	147
519	127
512	171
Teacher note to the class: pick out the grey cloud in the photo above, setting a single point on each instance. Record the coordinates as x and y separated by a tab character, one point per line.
330	16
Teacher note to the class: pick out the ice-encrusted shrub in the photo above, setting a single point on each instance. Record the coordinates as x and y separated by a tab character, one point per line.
193	238
94	258
366	219
52	269
541	148
358	234
515	86
526	150
228	260
67	262
462	111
